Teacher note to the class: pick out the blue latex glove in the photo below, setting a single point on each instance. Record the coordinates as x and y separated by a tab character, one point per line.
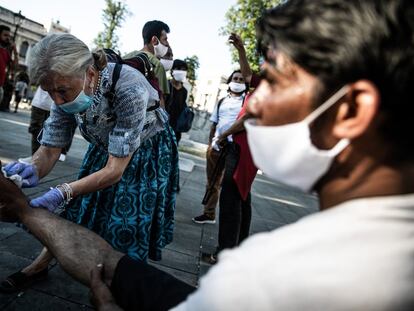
51	200
26	171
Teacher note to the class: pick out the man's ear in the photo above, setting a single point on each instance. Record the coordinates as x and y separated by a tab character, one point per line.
154	41
357	111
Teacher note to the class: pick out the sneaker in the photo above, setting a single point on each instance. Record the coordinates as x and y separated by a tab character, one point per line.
27	160
209	258
19	281
204	219
62	157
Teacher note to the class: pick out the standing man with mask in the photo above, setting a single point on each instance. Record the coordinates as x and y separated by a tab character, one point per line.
224	115
176	100
6	48
155	47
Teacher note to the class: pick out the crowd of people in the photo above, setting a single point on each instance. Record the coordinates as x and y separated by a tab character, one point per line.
329	113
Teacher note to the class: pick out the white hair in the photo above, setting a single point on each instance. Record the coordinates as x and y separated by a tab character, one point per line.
63	54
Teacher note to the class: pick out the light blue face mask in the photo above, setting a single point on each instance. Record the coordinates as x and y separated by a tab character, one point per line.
79	104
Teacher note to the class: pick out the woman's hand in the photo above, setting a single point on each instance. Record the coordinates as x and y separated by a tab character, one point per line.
27	172
51	200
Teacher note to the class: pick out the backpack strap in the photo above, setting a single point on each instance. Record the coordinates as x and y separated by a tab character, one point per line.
218	106
220	102
110	95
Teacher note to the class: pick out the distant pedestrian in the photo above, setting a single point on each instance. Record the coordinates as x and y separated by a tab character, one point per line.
155	36
224	115
176	101
19	92
7	48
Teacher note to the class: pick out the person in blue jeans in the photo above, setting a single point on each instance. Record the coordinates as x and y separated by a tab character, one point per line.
127	185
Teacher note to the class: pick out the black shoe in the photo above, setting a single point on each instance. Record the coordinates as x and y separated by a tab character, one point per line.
209	258
204	219
19	281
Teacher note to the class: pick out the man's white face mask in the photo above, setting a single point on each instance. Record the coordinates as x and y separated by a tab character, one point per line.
160	49
286	153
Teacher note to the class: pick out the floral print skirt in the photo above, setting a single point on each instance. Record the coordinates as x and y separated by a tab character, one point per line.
136	215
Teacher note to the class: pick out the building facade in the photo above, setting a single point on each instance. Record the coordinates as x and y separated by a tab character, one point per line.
25	32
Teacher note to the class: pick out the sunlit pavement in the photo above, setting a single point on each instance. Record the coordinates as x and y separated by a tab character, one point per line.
274	205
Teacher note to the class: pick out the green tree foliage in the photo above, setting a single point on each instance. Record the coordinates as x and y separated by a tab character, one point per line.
113	16
193	64
241	19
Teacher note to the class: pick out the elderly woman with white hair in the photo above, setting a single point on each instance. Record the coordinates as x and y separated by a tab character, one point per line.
128	180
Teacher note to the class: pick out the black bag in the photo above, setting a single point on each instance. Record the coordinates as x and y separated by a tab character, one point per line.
185	120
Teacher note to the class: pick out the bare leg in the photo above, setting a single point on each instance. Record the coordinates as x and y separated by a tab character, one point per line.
77	249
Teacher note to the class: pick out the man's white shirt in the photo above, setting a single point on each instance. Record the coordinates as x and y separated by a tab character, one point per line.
358	255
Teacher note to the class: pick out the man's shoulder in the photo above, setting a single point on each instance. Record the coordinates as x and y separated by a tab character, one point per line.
152	58
131	54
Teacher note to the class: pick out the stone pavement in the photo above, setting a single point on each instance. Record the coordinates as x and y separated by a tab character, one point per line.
274	205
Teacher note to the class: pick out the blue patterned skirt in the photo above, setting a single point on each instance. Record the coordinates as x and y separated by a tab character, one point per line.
136	215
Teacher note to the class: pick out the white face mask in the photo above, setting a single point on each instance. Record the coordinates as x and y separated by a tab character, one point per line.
179	75
167	63
160	49
286	153
237	87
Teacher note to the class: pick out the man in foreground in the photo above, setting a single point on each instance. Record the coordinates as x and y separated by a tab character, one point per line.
333	115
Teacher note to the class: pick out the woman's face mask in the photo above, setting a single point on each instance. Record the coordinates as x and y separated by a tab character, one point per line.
167	63
179	75
79	104
287	154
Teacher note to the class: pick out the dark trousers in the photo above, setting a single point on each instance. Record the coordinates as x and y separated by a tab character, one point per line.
177	136
235	213
37	118
7	95
17	99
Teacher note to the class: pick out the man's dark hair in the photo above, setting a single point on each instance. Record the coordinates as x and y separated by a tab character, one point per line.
341	42
4	28
232	74
179	64
153	28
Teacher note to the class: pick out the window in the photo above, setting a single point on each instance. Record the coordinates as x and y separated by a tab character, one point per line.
23	49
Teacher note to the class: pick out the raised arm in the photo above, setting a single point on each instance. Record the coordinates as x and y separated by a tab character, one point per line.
245	69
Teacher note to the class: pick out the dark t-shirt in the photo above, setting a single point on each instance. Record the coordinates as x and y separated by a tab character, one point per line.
175	103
